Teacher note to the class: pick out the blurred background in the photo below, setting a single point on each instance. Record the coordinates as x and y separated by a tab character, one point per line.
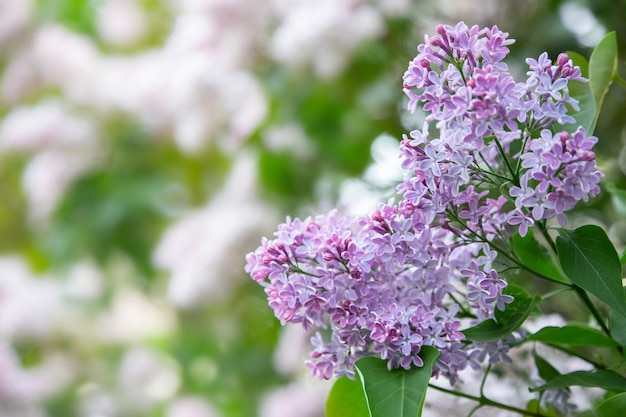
147	145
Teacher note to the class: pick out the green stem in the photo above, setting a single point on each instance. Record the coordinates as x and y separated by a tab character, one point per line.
582	294
482	383
544	231
486	402
494	174
295	268
465	311
556	292
478	407
507	162
518	168
510	256
545	277
479	238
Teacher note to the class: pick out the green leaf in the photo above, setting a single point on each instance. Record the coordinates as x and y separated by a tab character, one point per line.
590	261
536	257
573	335
602	69
600	378
547	410
586	116
612	407
617	324
346	399
546	371
396	393
506	321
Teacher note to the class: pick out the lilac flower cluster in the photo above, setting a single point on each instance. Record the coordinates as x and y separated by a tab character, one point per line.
560	171
386	290
493	134
403	276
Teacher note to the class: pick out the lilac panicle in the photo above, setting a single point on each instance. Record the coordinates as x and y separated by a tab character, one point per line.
479	109
384	290
402	277
560	171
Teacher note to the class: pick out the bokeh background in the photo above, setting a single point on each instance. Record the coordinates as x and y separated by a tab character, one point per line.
147	145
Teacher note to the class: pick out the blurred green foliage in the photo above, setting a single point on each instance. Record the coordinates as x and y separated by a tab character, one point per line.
124	205
79	15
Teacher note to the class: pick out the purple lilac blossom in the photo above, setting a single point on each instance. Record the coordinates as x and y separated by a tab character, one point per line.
559	398
384	290
398	279
480	111
560	171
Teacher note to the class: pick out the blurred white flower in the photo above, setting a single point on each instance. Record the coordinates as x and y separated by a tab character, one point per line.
191	407
292	350
132	318
581	21
46	125
394	7
93	400
67	60
230	32
385	171
146	378
361	195
56	370
31	307
206	103
19	78
46	177
187	96
14	388
121	23
302	398
306	395
323	33
135	85
22	388
182	90
65	146
84	282
14	16
204	250
290	137
461	9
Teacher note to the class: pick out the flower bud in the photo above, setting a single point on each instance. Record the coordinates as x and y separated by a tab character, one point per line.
562	59
436	41
328	256
563	137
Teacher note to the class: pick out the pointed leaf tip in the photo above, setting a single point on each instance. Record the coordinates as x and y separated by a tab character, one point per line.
396	393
